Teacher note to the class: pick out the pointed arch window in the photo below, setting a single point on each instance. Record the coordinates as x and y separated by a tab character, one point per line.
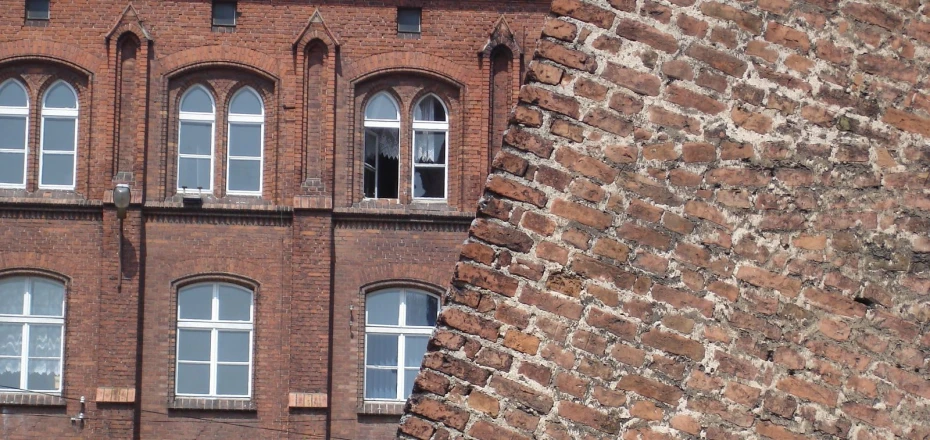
246	143
430	137
197	116
382	147
398	325
58	161
14	124
32	328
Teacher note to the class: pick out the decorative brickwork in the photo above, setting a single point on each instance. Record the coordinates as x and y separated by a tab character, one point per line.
709	219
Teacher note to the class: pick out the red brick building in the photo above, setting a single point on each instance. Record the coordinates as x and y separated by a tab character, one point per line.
289	163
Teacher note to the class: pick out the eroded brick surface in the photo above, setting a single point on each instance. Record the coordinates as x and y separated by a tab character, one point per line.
729	203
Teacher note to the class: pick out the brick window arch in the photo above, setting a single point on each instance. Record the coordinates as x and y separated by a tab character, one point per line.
14	124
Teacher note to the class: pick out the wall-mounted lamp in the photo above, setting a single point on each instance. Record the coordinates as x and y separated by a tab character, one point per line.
121	197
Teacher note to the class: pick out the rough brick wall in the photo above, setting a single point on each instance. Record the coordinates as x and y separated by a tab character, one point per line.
709	219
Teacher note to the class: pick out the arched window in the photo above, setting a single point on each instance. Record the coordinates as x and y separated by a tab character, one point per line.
32	323
246	143
430	137
382	147
214	343
398	324
59	137
197	117
14	124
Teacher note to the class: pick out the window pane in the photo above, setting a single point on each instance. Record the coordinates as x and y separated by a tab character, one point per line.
194	173
381	350
421	309
235	304
232	380
245	140
246	102
13	95
60	96
380	384
11	339
224	13
414	349
44	375
37	9
45	341
245	175
57	169
12	294
410	376
383	308
12	168
10	373
429	182
58	134
381	107
196	302
193	379
408	20
193	345
13	129
196	138
233	346
430	147
429	109
197	100
47	298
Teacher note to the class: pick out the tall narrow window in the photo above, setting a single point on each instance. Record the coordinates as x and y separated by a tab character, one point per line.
214	346
430	137
398	324
246	143
31	331
37	9
197	118
58	161
14	124
382	147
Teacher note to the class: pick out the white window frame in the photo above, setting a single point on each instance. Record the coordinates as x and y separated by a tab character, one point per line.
59	113
402	331
380	123
435	127
197	117
24	113
29	320
215	326
245	119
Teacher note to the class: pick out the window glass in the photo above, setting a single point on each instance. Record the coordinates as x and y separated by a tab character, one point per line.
429	109
246	102
44	340
384	308
408	20
196	302
12	296
196	138
245	140
429	183
44	375
232	380
47	298
60	96
224	13
37	9
10	372
194	173
232	346
11	339
193	378
382	107
194	345
12	94
57	169
235	304
197	100
245	175
382	350
422	309
58	134
11	168
415	348
14	134
380	383
430	147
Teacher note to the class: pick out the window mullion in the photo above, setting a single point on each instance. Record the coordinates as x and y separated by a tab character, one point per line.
401	340
213	359
24	361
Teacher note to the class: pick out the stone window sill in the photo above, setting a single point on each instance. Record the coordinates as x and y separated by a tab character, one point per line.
384	408
31	399
207	404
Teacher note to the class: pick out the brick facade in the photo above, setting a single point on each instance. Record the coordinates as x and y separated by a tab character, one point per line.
709	219
309	247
